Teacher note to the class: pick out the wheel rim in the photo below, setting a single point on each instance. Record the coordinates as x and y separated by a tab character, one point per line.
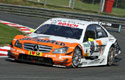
111	58
76	58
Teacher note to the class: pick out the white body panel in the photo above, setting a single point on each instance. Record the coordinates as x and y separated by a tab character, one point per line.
106	42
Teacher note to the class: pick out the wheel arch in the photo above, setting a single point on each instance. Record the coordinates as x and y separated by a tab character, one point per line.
107	49
73	46
77	47
80	47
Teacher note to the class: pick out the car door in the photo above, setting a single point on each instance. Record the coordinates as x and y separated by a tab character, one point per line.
101	39
94	41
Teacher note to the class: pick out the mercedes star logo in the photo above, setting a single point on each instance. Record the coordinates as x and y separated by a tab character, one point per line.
36	47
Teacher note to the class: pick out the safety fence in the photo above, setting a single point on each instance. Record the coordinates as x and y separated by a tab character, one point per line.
48	13
69	3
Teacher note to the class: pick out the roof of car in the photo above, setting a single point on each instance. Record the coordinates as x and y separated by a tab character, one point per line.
70	22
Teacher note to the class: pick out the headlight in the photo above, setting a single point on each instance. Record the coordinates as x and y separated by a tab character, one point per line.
61	50
18	44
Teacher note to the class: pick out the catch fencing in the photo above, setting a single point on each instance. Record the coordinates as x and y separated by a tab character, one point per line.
49	13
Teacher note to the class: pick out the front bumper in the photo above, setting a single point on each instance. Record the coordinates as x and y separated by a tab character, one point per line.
35	59
49	59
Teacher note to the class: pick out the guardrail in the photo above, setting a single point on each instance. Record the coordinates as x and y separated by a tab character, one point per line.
48	13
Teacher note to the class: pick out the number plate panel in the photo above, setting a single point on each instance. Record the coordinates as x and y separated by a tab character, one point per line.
34	53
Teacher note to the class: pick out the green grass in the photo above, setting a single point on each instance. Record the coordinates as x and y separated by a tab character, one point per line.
63	5
117	11
7	34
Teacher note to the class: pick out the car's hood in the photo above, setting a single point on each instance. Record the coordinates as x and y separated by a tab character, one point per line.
47	40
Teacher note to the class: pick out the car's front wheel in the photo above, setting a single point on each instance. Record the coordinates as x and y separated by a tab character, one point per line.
76	57
111	57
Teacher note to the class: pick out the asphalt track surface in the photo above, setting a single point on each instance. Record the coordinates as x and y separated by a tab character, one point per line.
11	70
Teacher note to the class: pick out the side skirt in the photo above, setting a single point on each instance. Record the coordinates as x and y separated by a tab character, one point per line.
96	62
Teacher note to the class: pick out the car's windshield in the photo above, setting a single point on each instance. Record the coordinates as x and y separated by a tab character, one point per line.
62	31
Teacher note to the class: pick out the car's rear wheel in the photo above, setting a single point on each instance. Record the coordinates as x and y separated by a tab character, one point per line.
111	57
76	57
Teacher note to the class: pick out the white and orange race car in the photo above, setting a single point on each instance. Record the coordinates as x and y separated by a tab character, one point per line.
66	42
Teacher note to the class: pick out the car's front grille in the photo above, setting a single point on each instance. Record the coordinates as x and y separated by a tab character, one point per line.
37	59
37	47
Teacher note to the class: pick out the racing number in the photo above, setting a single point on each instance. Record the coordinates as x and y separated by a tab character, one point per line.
99	42
95	46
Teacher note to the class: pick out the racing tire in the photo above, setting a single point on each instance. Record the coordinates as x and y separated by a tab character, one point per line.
111	57
76	59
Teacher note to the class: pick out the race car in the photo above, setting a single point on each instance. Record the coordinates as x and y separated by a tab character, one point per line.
66	42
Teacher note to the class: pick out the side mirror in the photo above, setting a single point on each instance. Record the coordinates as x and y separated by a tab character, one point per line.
32	30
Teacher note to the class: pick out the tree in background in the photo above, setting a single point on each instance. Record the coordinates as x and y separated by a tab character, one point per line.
120	4
123	4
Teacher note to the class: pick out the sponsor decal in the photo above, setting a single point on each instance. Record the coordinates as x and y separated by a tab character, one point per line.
83	63
111	40
86	45
86	54
92	47
17	51
34	53
45	41
14	52
50	56
95	61
65	57
68	24
102	61
20	51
